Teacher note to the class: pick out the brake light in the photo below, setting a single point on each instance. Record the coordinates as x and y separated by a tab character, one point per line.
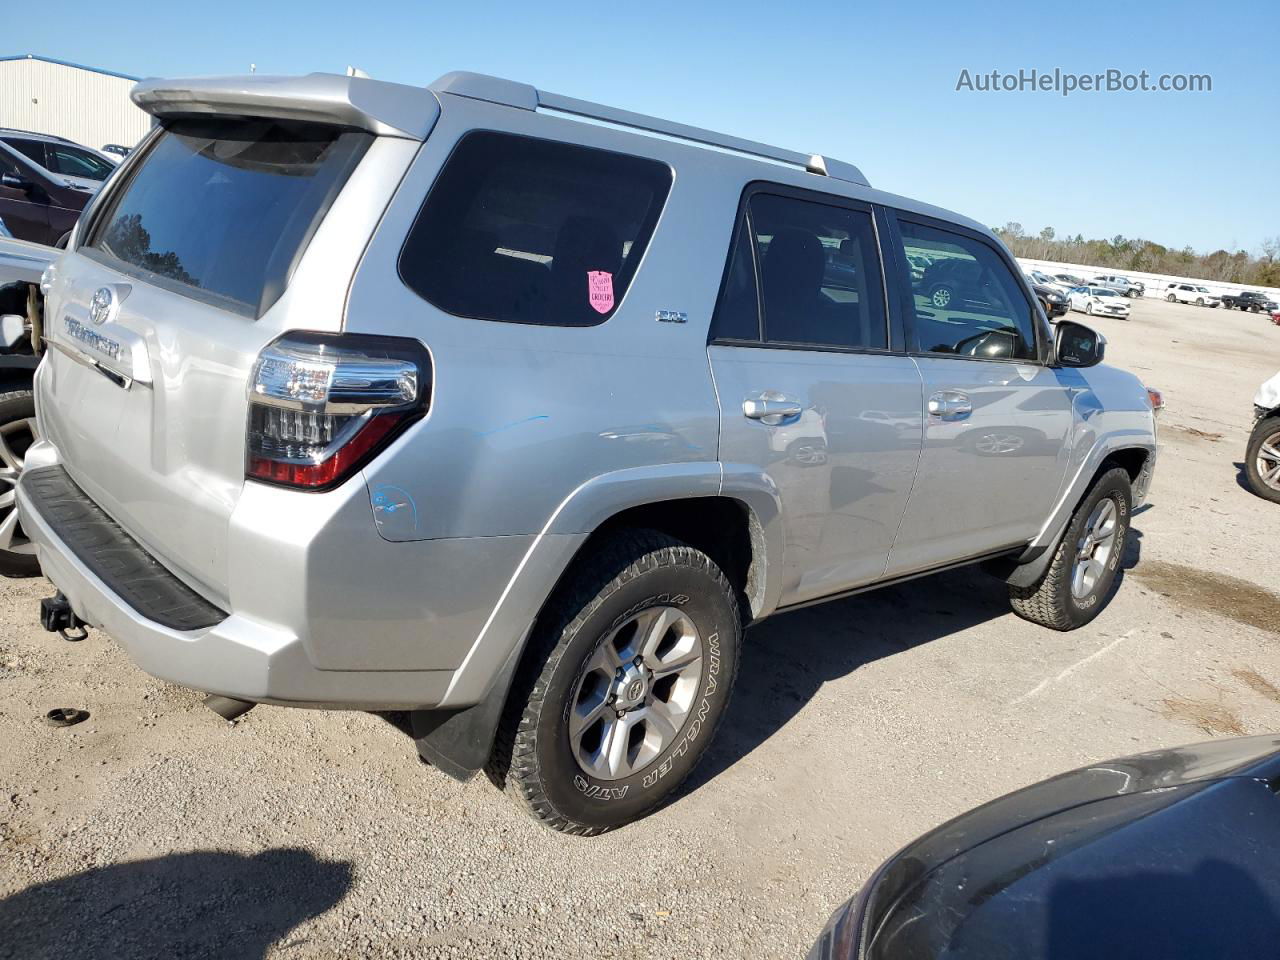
321	406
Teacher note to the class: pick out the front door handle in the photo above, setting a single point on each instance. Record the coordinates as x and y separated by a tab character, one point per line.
950	405
771	408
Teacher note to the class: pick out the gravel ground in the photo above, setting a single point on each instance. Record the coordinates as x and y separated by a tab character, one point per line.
156	829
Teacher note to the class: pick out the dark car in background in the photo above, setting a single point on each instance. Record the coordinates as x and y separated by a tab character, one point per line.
1052	300
59	157
1251	300
35	203
1169	854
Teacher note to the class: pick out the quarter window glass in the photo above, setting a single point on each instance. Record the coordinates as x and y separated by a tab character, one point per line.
533	231
737	315
819	274
967	301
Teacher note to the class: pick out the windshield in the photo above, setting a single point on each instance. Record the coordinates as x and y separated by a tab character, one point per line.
75	162
226	206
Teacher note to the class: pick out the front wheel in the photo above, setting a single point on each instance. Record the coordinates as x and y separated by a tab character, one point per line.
17	433
1262	459
628	675
1088	308
1078	582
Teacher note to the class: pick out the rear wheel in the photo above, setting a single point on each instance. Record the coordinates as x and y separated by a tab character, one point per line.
627	677
1171	298
1262	460
1078	582
17	433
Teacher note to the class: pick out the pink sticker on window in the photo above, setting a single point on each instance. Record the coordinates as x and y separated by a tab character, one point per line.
600	290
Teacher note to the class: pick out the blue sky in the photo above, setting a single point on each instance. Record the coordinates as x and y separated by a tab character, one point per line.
872	84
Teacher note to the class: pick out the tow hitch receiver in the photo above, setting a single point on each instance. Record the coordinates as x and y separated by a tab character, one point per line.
56	616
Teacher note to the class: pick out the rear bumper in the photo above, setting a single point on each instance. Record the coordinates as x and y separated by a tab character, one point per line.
316	623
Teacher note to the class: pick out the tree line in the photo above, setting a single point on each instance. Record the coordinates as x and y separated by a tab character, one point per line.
1123	253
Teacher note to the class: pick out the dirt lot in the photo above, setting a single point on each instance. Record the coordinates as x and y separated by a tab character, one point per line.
156	829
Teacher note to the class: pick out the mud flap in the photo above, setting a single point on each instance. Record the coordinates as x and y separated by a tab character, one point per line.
459	742
1027	568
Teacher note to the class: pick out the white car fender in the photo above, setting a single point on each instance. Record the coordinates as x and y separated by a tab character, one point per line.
1269	394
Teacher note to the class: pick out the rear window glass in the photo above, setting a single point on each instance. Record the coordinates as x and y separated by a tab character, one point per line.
222	209
533	231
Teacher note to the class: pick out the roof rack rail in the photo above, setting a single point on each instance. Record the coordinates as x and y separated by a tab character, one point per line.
478	86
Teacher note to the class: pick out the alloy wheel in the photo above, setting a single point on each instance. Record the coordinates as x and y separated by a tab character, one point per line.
1268	461
1094	549
15	437
636	693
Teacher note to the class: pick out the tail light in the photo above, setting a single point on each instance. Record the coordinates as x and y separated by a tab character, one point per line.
321	406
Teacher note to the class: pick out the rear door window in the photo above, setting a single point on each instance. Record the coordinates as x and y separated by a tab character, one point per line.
523	230
222	209
75	162
819	281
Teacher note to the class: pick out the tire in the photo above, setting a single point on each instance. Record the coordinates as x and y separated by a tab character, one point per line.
1171	298
1052	602
941	296
1199	301
1266	435
1088	308
17	430
542	761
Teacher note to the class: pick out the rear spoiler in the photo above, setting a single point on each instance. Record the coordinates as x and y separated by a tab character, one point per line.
385	109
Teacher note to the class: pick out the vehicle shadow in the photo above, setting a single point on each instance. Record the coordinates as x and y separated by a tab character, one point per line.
787	658
199	904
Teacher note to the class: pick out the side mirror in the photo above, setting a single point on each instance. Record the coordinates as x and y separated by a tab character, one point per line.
1075	345
14	182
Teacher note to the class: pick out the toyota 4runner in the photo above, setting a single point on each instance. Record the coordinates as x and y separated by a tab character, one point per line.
511	411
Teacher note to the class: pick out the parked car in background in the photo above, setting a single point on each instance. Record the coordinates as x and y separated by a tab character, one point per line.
59	157
1262	456
116	152
1040	277
1099	300
1250	300
1121	285
918	263
1168	854
1052	300
35	204
21	315
1069	280
376	426
1190	293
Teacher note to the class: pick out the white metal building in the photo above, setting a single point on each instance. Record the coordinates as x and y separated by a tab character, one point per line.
84	104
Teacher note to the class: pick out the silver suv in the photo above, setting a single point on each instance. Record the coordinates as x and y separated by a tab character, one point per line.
489	405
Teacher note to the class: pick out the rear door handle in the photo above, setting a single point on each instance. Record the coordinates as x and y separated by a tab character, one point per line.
950	405
771	409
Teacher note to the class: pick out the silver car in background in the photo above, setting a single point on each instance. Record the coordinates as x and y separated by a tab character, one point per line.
446	401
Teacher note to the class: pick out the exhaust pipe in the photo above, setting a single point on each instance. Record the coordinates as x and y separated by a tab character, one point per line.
228	708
